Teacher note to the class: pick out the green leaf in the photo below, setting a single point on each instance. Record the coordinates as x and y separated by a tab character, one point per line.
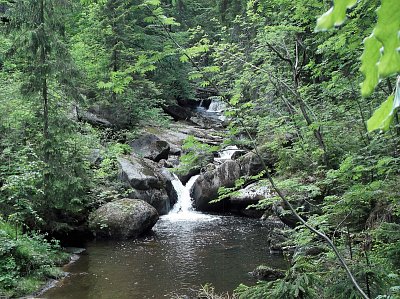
184	58
383	116
212	69
152	2
204	83
195	75
336	15
369	67
387	32
150	19
169	21
234	100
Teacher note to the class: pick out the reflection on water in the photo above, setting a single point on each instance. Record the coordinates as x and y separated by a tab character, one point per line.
179	257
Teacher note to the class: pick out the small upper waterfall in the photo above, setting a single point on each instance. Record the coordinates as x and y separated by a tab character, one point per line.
227	153
183	208
216	105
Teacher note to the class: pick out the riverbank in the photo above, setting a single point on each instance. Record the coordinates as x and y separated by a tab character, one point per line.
27	261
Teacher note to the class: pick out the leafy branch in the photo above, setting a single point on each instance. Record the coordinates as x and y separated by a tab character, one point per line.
381	56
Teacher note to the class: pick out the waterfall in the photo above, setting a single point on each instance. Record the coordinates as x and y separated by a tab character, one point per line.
216	105
227	153
183	209
184	203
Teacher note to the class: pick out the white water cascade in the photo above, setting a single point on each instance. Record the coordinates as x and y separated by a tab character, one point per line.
183	208
227	153
216	105
184	203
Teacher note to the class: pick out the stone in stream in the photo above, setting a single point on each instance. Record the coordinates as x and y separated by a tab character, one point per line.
158	198
267	273
151	147
138	173
178	112
250	163
205	189
123	219
249	195
277	240
148	182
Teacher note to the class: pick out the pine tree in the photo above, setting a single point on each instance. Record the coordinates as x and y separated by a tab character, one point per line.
37	30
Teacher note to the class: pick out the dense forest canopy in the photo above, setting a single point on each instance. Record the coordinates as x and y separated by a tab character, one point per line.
82	77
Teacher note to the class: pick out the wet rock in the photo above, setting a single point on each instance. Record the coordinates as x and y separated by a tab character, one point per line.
310	250
174	161
285	214
184	176
165	163
151	147
123	219
177	112
158	198
206	186
272	220
263	272
250	195
139	174
206	122
93	119
305	207
190	103
250	163
148	181
277	240
237	154
205	93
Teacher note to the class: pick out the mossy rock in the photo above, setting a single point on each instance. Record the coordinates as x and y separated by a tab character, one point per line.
123	219
263	272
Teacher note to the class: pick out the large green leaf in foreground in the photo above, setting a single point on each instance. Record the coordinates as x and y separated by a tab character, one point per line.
383	116
336	15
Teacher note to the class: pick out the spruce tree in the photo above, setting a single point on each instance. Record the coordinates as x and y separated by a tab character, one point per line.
37	30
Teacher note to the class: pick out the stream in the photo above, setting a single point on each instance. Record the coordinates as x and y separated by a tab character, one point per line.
185	250
179	257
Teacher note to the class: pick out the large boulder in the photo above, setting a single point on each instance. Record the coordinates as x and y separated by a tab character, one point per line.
151	147
247	196
158	198
189	103
139	174
206	186
93	119
251	164
177	112
148	182
123	219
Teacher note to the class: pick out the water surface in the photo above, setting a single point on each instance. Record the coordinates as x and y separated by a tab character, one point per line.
180	256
